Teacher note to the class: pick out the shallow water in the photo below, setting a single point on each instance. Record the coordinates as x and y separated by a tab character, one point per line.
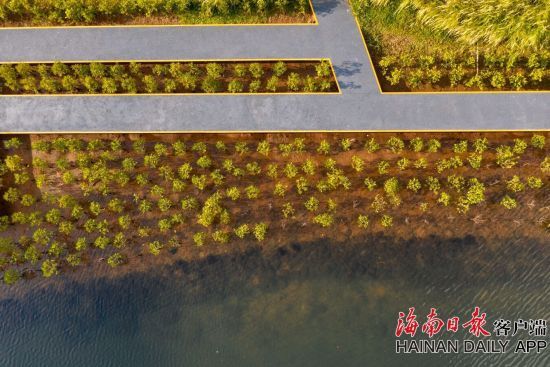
315	305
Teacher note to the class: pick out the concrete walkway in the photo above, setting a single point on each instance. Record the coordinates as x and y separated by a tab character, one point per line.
360	107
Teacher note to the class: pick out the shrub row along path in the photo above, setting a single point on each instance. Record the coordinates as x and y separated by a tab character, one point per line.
360	106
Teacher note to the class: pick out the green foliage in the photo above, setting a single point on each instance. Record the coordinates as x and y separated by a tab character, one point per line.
235	86
363	221
538	141
260	231
242	231
199	238
312	204
386	221
505	157
11	276
293	82
279	68
515	184
49	268
395	144
371	146
324	220
508	202
155	247
534	182
256	70
414	184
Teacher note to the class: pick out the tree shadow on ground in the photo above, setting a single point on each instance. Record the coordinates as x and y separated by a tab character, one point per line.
348	69
324	7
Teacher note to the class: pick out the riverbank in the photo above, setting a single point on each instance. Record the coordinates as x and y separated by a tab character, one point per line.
134	202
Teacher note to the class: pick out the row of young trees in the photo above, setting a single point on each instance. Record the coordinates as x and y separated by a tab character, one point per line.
74	12
113	195
452	70
176	77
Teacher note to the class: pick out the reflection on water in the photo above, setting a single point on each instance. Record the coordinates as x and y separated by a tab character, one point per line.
315	305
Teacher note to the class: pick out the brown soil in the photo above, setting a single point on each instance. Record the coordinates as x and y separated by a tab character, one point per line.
487	220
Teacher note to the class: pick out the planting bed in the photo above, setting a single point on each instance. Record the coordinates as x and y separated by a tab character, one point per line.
168	77
25	13
415	46
149	199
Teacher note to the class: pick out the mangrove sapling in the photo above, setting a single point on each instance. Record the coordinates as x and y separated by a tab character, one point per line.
254	86
386	221
403	163
11	276
256	70
310	84
293	82
538	141
324	220
239	70
235	86
312	204
324	147
150	83
109	86
260	231
395	144
263	148
272	84
279	68
534	182
515	184
49	268
170	85
508	202
433	146
346	144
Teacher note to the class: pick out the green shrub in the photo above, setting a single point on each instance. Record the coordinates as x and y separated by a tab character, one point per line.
211	85
150	84
538	141
323	69
324	220
108	86
98	70
49	268
517	81
260	231
239	70
69	84
508	202
272	84
498	80
256	70
170	85
214	70
293	82
235	86
91	84
279	68
11	276
254	86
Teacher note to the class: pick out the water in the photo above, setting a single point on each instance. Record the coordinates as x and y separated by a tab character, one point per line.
315	305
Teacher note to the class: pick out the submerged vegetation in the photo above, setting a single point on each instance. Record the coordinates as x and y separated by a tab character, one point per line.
70	200
457	45
168	77
91	12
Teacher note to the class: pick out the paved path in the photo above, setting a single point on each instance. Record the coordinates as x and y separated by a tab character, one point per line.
360	107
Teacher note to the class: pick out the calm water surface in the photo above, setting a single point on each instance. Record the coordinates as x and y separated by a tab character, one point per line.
305	306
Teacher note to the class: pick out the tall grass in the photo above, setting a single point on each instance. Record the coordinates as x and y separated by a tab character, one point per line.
519	25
